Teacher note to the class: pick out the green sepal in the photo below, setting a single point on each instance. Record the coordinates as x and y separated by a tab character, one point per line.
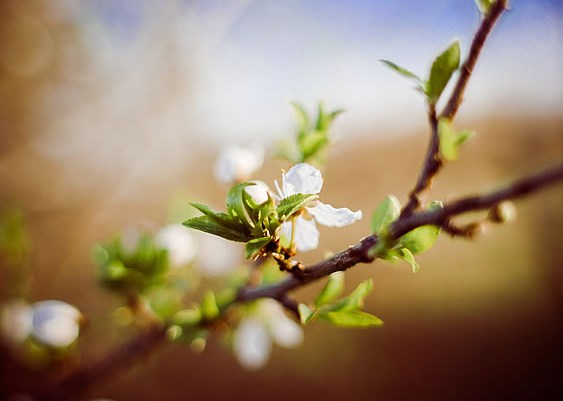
442	70
293	204
385	213
332	289
253	247
351	318
409	257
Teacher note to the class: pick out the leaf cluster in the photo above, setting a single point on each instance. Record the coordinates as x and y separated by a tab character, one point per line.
344	312
414	242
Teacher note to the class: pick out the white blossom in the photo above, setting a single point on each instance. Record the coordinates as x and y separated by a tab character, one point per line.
306	179
237	163
215	256
265	325
179	242
259	192
55	323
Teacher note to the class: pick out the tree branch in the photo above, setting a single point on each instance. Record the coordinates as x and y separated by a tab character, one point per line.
432	160
360	253
496	10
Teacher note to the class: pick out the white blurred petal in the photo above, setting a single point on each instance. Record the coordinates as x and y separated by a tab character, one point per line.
237	163
16	320
216	256
284	331
55	323
179	242
259	192
302	179
306	237
330	216
252	345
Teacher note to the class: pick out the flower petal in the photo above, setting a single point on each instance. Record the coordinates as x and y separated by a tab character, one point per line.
237	163
179	242
252	344
329	216
306	237
302	179
55	323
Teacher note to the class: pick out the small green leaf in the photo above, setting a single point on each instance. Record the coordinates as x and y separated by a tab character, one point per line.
236	205
484	6
324	120
420	239
305	313
209	308
442	70
354	318
332	289
450	140
294	203
312	143
387	212
403	71
409	257
187	317
252	247
205	224
355	300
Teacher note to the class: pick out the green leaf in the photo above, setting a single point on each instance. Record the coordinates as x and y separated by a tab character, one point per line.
355	300
324	120
332	289
312	143
484	6
420	239
402	71
210	226
354	318
187	317
252	247
222	219
305	313
442	70
293	204
409	257
236	205
209	308
450	140
385	213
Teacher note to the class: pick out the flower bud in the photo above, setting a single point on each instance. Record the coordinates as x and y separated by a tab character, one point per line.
502	213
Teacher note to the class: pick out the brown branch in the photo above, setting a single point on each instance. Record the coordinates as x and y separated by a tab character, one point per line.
360	253
432	160
115	361
456	98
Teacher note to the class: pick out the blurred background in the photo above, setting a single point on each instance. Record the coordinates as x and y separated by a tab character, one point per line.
113	113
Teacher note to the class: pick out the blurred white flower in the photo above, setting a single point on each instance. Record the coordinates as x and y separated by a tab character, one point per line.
55	323
179	242
16	320
215	256
306	179
266	324
237	163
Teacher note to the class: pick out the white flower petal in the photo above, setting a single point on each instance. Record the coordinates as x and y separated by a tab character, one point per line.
306	237
55	323
259	192
252	345
329	216
284	331
179	242
215	256
302	179
238	163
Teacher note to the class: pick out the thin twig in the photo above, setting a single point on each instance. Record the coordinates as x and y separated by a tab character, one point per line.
432	161
479	39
